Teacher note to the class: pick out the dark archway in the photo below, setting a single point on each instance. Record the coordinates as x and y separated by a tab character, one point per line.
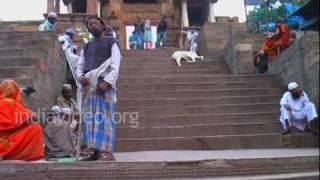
197	12
79	6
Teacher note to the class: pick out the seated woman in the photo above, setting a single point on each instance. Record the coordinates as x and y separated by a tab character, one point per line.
20	139
283	35
269	47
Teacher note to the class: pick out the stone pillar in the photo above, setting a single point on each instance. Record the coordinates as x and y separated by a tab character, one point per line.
184	14
211	17
98	2
91	7
50	6
57	6
70	8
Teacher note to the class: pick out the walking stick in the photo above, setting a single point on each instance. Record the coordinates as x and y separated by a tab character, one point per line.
80	104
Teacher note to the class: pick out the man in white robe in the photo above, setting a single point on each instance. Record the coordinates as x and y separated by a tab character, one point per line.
296	110
68	47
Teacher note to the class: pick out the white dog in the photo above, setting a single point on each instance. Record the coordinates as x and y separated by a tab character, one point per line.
189	56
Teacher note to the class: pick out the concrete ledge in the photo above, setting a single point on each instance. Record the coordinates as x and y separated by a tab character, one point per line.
163	169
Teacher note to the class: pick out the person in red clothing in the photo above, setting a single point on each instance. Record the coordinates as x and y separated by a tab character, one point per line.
283	35
269	47
19	139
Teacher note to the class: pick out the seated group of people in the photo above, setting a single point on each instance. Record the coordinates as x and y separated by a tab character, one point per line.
24	137
272	46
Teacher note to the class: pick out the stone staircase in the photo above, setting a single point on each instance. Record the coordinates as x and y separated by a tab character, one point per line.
33	59
198	106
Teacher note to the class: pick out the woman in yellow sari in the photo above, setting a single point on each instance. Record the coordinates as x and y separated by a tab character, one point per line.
19	139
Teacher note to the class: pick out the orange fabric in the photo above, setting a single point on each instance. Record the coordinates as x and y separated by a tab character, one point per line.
269	48
284	33
18	139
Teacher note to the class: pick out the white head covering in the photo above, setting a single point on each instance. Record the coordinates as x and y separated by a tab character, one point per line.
56	109
270	34
66	111
66	87
292	86
52	15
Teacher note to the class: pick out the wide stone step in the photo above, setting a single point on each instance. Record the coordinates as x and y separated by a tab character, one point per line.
251	141
16	61
21	81
150	53
161	57
196	110
219	167
174	72
21	43
17	72
195	101
169	67
8	36
199	93
9	52
158	79
195	86
135	120
200	130
170	64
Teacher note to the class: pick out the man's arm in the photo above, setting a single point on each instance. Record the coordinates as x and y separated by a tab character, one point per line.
112	74
284	101
79	70
80	65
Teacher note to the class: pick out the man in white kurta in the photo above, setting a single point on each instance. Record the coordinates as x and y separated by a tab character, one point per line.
68	47
296	109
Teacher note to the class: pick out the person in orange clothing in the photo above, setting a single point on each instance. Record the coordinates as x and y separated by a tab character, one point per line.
19	138
283	35
269	47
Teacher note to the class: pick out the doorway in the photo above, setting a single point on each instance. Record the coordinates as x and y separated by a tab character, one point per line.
197	12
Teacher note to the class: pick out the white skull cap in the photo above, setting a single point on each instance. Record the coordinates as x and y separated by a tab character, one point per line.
292	86
66	111
52	15
56	109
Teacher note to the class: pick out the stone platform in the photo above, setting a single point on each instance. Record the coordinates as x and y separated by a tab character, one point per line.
229	164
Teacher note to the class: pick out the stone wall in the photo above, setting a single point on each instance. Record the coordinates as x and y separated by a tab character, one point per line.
238	52
20	26
51	68
300	63
213	38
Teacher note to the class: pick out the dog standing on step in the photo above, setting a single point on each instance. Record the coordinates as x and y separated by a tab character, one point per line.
188	56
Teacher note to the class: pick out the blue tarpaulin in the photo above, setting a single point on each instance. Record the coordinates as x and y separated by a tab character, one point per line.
253	2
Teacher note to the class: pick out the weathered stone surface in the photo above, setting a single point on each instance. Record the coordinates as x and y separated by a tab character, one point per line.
38	57
147	170
300	63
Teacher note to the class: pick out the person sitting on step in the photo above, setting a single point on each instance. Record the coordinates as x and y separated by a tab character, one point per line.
49	24
260	62
297	110
57	134
20	137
